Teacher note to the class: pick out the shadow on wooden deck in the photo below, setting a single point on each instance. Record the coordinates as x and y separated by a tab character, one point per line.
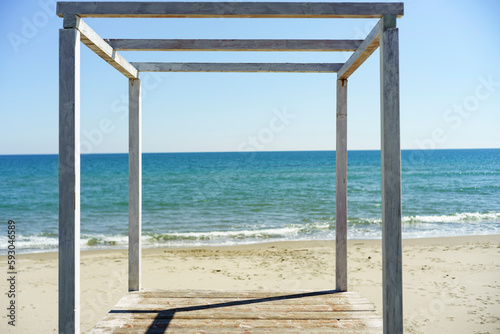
163	311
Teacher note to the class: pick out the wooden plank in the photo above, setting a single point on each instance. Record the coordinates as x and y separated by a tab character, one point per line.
135	185
231	314
207	324
239	67
230	9
248	307
391	179
181	302
273	312
240	330
233	45
369	45
245	294
159	293
341	189
94	42
69	181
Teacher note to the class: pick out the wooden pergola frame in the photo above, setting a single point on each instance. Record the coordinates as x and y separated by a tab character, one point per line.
384	34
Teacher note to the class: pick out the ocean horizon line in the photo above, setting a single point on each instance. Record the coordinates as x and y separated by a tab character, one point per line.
243	152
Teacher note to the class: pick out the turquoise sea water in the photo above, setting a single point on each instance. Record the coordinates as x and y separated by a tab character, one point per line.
235	198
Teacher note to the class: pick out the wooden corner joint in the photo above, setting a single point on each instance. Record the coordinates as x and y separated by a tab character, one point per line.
71	21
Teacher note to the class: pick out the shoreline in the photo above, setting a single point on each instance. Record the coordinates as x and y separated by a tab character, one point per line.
251	244
451	284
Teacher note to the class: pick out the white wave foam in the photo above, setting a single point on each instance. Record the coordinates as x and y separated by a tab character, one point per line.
39	242
285	231
467	223
454	218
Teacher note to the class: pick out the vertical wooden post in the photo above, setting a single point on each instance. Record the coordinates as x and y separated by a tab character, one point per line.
69	181
341	188
134	186
391	178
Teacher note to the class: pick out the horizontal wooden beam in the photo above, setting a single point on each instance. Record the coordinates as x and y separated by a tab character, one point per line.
369	45
234	45
239	67
231	9
94	42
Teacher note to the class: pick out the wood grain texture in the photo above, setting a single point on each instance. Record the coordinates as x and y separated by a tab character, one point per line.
134	185
69	181
341	189
230	9
241	312
239	67
234	45
369	45
94	42
315	300
391	179
327	307
242	330
250	313
193	293
207	324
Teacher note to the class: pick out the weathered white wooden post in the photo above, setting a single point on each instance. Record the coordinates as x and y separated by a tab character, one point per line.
341	188
69	181
134	185
391	177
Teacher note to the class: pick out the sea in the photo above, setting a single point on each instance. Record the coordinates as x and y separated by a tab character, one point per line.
204	199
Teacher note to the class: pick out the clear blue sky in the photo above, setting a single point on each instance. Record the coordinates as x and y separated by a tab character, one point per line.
450	84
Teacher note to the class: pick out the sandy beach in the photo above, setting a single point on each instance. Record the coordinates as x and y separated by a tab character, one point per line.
451	285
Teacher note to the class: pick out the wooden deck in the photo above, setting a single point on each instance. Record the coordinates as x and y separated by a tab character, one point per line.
201	311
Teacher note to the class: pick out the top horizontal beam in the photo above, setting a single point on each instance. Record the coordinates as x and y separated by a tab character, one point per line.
232	9
240	67
316	45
